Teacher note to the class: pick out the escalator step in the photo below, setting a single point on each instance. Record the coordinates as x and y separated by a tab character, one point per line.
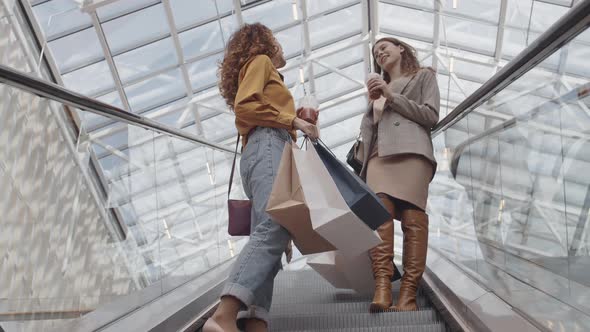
295	321
439	327
329	308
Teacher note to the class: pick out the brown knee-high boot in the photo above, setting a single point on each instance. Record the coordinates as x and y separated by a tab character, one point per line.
382	262
415	228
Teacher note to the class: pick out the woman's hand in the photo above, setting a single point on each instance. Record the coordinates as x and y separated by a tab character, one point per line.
307	128
378	86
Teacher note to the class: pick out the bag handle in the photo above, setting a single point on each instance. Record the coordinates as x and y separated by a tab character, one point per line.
320	142
233	167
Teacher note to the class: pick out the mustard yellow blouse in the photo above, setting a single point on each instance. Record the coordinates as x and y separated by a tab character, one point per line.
262	98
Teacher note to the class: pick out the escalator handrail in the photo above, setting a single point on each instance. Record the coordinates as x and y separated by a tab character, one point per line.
574	22
67	97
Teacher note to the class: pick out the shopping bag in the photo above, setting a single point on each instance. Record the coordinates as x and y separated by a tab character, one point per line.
330	215
287	207
361	200
345	272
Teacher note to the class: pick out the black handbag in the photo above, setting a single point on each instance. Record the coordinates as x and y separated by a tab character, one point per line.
355	155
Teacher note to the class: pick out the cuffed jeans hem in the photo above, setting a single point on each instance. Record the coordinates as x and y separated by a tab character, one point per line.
239	292
254	312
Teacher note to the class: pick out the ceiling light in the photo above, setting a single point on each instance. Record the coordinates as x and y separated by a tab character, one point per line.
301	76
295	12
166	229
231	248
455	4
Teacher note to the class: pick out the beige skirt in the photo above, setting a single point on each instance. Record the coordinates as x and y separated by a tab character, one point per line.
404	177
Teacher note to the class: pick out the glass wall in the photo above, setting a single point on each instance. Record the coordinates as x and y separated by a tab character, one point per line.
511	198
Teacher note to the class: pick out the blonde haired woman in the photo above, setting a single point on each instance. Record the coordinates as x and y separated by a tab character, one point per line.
398	163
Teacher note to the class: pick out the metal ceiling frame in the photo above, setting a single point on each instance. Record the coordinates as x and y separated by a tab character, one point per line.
370	30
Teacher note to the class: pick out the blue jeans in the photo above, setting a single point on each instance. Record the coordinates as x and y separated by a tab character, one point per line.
252	277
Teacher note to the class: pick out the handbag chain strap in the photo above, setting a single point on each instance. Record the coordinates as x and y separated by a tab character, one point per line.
233	167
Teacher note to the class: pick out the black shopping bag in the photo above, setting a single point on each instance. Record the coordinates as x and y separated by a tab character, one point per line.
361	200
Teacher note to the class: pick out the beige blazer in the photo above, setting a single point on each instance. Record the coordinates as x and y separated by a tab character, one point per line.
407	120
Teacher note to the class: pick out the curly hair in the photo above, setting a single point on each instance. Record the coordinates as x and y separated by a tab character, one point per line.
250	40
410	64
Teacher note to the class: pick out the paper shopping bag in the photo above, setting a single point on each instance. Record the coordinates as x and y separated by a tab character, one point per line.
330	215
287	206
359	197
345	272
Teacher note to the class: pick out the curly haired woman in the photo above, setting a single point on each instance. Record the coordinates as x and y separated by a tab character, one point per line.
266	121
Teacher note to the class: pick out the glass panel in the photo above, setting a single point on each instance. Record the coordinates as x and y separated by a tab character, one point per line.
544	15
203	73
409	22
145	60
335	25
189	12
273	14
85	42
418	3
514	42
58	17
119	8
473	36
577	55
101	81
316	7
518	13
156	91
291	41
132	30
331	85
202	39
487	10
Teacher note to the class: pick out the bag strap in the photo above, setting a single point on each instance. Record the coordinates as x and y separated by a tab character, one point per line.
320	142
233	167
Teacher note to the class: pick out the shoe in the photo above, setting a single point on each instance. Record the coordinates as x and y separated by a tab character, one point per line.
382	263
415	228
211	326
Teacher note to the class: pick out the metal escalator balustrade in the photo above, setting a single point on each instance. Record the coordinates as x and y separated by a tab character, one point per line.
510	205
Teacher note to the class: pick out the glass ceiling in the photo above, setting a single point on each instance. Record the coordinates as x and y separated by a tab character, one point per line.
159	59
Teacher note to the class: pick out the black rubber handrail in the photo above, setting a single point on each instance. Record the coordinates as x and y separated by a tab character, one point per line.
67	97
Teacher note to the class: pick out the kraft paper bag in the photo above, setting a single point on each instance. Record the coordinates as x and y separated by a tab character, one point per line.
287	206
345	272
330	215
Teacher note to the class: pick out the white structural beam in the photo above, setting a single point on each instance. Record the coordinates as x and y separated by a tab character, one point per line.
181	63
374	17
500	34
238	12
306	45
436	33
109	58
366	30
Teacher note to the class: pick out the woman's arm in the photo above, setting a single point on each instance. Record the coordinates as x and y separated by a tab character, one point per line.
426	113
251	105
